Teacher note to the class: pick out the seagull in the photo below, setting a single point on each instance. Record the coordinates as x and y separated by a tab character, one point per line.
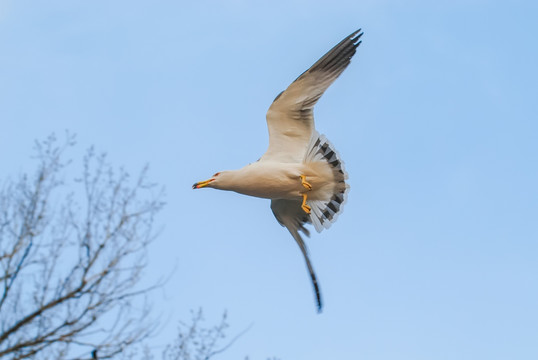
301	172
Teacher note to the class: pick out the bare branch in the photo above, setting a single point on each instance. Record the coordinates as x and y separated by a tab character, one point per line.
195	342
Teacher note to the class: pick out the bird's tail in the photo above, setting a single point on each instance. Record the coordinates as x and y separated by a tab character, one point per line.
325	212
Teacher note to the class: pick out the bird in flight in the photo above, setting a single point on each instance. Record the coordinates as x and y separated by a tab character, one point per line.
301	172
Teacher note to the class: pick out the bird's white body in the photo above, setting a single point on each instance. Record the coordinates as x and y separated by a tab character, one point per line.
275	180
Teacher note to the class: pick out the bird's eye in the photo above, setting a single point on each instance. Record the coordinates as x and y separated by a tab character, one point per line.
216	174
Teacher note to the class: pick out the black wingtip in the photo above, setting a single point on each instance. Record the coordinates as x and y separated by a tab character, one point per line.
355	39
319	303
355	33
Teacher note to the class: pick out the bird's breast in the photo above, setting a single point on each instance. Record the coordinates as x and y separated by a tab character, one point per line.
270	180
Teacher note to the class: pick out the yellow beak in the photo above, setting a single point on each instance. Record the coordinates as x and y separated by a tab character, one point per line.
202	184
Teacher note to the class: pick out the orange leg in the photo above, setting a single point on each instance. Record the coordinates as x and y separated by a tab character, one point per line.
305	207
305	183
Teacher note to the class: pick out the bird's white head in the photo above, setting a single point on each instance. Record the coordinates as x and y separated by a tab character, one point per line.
217	181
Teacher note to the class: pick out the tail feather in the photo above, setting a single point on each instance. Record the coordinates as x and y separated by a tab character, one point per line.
325	212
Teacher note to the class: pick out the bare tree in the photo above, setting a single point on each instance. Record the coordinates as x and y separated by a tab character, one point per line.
71	260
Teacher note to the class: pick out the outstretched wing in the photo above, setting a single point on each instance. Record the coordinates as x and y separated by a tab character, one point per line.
290	117
290	214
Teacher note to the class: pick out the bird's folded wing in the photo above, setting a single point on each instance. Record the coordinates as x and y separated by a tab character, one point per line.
290	117
290	215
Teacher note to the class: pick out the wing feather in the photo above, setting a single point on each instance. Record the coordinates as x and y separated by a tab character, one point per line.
290	215
290	118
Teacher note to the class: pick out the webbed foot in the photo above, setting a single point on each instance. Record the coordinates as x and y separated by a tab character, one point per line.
305	207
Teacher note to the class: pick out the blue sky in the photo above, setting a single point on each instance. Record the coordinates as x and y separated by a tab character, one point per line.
435	255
